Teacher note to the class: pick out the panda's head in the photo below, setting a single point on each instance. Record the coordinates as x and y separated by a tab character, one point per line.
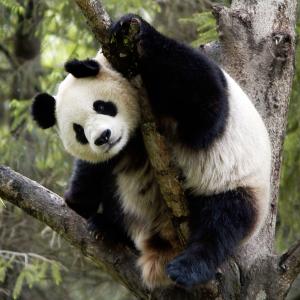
96	110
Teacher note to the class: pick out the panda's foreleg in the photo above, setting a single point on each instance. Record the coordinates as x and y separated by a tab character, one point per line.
91	195
82	194
218	223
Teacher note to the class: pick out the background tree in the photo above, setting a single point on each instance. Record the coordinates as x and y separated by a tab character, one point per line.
47	157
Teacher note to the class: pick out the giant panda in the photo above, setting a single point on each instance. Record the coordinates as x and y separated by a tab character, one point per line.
216	137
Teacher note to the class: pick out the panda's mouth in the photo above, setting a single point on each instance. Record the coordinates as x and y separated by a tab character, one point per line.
110	145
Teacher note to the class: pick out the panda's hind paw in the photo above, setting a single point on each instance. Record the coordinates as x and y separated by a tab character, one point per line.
187	270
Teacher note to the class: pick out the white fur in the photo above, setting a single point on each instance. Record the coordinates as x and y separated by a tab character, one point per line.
74	104
146	208
240	158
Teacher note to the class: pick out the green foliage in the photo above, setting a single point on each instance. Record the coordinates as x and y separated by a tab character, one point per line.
40	153
206	27
56	274
34	269
146	8
2	204
14	6
288	230
5	264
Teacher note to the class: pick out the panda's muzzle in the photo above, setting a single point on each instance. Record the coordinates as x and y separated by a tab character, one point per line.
110	145
103	138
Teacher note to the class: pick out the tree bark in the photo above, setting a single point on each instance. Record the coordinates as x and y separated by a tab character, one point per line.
26	50
22	52
257	45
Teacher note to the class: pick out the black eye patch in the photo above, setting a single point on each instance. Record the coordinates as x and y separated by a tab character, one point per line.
80	136
105	108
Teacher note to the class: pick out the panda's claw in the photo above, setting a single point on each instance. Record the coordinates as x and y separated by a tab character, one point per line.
136	21
95	226
128	26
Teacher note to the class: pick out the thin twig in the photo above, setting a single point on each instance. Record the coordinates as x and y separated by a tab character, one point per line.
7	54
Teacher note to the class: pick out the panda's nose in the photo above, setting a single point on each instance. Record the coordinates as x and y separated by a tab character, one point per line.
103	138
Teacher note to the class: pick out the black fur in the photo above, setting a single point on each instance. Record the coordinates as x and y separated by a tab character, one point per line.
109	226
133	157
43	110
105	108
181	83
79	134
95	184
217	224
187	88
90	186
82	68
158	243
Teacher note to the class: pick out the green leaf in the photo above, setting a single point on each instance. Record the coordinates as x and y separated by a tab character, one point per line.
206	27
14	6
2	203
18	285
2	273
56	274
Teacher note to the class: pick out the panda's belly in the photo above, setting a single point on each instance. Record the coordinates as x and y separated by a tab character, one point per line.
241	156
218	170
141	202
206	173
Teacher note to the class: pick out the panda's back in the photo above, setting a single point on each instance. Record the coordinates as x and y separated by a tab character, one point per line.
240	157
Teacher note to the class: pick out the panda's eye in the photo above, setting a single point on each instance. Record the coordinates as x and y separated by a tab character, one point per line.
105	108
79	133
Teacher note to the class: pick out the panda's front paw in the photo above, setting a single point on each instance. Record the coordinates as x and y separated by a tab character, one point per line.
125	43
187	270
130	34
76	204
127	27
96	226
100	227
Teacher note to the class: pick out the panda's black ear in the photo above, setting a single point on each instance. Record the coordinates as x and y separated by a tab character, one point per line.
82	68
43	110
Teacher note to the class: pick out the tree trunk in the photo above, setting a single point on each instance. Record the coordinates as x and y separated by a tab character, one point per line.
257	49
26	48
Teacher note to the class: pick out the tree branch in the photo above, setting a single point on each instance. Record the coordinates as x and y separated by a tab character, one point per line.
115	259
97	18
49	208
290	264
7	54
257	49
166	173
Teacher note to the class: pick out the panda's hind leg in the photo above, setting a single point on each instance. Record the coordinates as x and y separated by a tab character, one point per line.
218	224
156	252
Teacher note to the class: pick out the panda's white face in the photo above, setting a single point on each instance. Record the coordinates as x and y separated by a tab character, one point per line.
96	115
